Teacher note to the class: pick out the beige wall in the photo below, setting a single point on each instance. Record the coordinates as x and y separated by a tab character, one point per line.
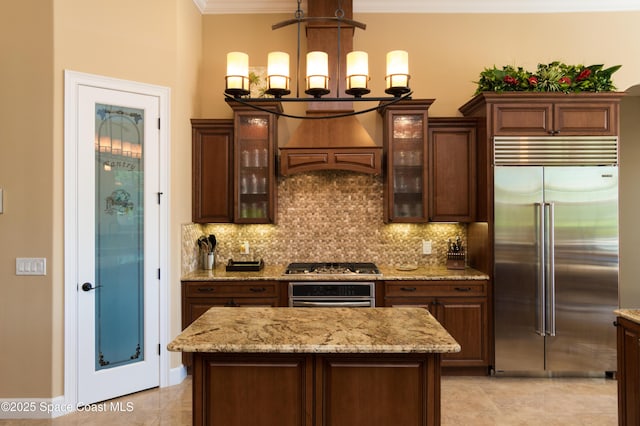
26	172
158	42
150	41
630	200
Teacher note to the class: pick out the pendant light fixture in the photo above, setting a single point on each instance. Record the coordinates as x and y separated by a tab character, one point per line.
317	73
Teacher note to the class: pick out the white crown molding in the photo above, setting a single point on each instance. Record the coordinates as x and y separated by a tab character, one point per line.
423	6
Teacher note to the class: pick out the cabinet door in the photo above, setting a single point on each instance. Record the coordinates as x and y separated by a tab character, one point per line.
452	170
466	320
593	118
533	119
405	143
385	389
406	183
212	178
253	389
254	197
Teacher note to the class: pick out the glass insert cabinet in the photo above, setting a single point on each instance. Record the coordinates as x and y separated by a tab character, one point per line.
405	143
254	156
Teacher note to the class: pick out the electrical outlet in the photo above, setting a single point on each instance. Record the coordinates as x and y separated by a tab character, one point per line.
244	248
426	247
31	266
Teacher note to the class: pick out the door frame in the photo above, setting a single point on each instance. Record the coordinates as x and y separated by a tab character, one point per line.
73	80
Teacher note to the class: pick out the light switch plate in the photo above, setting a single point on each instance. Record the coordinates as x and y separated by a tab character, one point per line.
31	266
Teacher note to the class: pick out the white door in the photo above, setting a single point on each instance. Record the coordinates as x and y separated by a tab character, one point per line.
118	245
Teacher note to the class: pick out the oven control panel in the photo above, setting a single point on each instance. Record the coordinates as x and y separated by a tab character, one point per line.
315	289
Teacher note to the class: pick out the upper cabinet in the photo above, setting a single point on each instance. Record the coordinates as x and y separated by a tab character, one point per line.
550	114
452	169
212	162
234	166
254	157
405	144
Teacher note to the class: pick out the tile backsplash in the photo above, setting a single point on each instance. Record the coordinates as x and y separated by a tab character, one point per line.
328	216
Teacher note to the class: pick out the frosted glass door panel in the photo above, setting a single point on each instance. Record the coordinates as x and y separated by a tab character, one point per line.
119	239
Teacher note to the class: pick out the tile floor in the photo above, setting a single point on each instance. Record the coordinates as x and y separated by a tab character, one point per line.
466	401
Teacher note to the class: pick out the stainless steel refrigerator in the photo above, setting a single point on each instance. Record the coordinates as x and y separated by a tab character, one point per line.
556	255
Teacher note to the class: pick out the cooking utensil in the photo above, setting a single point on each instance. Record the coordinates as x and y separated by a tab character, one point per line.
212	243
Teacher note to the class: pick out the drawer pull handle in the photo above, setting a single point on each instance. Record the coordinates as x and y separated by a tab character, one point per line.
257	290
206	289
463	288
408	288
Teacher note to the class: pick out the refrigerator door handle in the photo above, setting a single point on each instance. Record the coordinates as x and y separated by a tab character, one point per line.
550	275
541	299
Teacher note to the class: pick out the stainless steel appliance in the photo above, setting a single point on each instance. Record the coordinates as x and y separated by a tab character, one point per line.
556	255
336	285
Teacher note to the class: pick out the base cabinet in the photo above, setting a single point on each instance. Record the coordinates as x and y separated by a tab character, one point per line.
316	389
461	308
628	372
199	296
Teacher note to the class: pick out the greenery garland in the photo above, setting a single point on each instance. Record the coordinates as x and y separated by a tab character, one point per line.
553	77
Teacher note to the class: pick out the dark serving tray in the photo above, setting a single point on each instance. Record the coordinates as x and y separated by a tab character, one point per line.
253	265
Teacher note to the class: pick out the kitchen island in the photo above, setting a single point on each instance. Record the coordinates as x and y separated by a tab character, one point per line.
323	366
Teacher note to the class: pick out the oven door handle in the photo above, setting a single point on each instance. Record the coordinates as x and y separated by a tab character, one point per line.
305	304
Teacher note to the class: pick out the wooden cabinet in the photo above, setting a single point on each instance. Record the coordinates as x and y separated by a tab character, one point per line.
316	389
212	177
405	143
452	169
628	372
199	296
254	165
253	389
555	115
233	176
460	306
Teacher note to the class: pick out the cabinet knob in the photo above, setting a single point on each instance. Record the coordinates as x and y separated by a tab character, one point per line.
206	289
463	288
408	288
258	289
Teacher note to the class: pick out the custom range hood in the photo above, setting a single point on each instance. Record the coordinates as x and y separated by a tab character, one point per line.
335	143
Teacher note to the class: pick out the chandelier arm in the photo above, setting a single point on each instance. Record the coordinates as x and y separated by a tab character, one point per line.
319	19
387	102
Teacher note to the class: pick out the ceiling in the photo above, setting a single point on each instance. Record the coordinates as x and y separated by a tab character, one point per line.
426	6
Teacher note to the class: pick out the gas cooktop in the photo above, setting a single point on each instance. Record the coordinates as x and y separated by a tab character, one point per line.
335	268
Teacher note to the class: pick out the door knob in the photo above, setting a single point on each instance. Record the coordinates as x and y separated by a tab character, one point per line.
89	286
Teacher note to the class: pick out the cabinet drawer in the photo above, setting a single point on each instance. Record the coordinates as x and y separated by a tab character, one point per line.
435	288
231	289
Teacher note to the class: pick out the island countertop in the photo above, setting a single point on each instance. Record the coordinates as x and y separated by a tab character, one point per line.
630	314
317	330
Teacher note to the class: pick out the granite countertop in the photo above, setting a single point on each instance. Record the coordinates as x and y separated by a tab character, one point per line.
318	330
276	273
630	314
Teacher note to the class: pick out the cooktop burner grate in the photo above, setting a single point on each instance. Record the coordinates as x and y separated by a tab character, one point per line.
333	268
